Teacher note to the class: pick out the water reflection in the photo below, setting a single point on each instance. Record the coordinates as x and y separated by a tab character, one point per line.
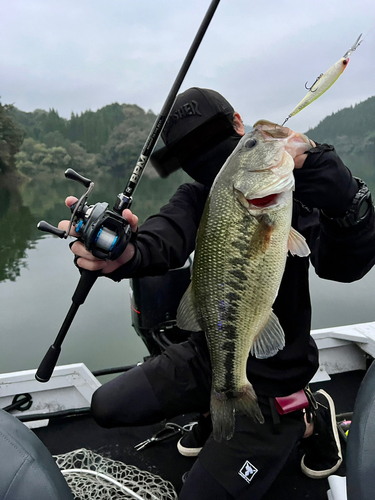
17	229
38	278
23	204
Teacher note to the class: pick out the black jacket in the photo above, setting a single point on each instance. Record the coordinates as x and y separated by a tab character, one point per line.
165	241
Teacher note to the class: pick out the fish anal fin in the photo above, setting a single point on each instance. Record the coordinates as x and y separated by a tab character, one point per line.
297	244
270	340
187	318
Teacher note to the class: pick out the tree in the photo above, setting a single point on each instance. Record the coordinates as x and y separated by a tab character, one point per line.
11	137
52	122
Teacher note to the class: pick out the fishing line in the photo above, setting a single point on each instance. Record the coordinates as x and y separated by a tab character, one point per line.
368	32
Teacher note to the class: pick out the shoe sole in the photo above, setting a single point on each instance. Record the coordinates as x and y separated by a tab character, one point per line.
321	474
188	452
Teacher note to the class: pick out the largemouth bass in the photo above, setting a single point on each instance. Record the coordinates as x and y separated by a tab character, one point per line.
241	249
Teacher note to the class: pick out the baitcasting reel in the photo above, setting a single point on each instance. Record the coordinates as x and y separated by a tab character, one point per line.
104	233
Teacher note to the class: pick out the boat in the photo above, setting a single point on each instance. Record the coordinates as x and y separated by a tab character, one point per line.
44	424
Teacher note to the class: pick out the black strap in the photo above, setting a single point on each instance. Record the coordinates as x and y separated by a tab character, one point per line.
275	416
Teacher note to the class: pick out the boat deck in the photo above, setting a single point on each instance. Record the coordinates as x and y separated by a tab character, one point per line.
162	458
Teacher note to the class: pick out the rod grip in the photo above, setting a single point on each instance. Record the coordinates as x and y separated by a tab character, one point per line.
48	364
86	282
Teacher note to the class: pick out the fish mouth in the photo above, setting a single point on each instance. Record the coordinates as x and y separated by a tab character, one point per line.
265	202
261	203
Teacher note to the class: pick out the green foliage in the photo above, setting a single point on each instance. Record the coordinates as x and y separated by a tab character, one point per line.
93	129
106	141
11	137
352	132
353	122
90	129
110	140
125	143
38	161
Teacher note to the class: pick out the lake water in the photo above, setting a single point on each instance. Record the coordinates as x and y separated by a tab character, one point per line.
33	307
34	303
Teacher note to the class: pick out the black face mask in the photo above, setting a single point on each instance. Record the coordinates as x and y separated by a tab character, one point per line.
206	162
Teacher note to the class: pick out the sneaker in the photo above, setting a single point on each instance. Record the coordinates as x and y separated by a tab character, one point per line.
193	441
323	450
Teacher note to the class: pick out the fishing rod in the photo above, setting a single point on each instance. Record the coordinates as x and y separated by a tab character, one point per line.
106	233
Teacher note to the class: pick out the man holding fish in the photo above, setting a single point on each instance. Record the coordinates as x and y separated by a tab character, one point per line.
262	207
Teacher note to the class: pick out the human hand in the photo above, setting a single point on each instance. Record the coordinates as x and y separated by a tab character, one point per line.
325	182
85	259
299	160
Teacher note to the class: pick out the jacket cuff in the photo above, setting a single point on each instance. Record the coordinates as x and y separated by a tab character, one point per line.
352	190
336	230
128	269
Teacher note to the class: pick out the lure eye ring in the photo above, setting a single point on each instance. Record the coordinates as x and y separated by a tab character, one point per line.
250	143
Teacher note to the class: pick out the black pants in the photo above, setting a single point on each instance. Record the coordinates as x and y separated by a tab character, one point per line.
179	381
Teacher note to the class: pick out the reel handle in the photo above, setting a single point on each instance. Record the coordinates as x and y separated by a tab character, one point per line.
48	228
75	176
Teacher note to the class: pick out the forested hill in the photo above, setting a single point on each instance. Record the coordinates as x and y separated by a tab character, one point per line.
108	140
91	129
352	132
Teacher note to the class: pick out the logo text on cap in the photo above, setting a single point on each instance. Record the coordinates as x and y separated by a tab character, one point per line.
188	109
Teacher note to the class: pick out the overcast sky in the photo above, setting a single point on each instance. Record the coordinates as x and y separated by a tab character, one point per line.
74	55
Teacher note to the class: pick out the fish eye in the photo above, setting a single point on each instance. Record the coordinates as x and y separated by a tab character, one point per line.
250	143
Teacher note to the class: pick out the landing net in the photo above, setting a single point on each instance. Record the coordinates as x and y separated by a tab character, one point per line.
93	477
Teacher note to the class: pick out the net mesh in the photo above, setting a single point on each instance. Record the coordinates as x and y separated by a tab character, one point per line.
93	477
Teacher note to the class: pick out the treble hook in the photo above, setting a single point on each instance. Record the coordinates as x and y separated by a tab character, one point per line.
309	88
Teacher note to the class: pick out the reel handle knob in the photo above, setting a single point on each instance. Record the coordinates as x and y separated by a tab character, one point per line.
74	176
48	228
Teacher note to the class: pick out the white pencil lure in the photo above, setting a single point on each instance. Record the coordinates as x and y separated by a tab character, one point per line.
325	80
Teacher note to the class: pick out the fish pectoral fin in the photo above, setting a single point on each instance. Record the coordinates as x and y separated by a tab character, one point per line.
270	340
297	244
187	318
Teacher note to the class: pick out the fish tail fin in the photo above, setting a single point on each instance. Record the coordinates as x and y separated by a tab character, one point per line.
223	410
222	414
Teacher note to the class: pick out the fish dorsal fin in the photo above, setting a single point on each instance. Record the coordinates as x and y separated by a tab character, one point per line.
270	340
297	244
187	318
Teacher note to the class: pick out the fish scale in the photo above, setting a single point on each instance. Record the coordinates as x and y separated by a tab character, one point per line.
239	261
